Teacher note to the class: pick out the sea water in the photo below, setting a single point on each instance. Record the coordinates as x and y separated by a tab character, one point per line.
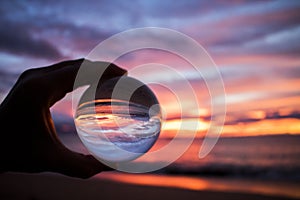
116	130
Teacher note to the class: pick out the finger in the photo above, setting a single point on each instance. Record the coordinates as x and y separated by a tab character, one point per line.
64	78
37	82
79	165
61	65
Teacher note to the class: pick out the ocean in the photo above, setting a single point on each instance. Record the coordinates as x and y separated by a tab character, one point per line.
275	157
260	157
268	165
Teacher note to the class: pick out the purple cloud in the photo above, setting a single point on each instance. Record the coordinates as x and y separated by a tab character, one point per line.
18	39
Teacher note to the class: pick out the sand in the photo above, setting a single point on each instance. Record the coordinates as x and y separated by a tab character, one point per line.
55	186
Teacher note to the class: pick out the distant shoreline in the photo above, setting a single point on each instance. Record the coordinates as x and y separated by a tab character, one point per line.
246	136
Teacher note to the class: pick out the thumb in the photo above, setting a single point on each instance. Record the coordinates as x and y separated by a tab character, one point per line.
79	165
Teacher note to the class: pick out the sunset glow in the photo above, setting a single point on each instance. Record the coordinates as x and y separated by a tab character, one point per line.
256	48
192	183
227	85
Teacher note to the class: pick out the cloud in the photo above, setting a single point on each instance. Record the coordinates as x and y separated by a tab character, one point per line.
41	31
17	39
237	27
245	37
290	73
72	38
275	32
269	115
277	115
7	80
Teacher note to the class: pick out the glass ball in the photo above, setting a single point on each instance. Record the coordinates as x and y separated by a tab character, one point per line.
118	120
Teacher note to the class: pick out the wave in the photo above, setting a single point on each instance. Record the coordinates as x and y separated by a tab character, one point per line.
236	171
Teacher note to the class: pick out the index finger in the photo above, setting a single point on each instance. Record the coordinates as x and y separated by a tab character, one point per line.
67	76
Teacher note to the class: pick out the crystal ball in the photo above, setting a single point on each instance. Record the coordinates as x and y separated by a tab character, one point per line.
118	120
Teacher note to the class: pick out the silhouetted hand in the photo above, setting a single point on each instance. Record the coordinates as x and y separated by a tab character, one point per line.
29	142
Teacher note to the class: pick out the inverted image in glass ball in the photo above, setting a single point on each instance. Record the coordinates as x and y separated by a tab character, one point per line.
120	122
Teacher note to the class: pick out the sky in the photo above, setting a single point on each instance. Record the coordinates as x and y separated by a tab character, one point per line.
255	44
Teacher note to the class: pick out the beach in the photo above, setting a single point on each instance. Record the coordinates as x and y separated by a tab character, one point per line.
55	186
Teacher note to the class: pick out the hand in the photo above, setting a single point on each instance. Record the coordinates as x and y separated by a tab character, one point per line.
29	142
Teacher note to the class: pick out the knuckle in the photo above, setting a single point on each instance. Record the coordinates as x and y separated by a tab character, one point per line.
31	80
28	73
29	77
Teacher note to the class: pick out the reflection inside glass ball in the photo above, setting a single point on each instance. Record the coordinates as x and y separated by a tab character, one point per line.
117	130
